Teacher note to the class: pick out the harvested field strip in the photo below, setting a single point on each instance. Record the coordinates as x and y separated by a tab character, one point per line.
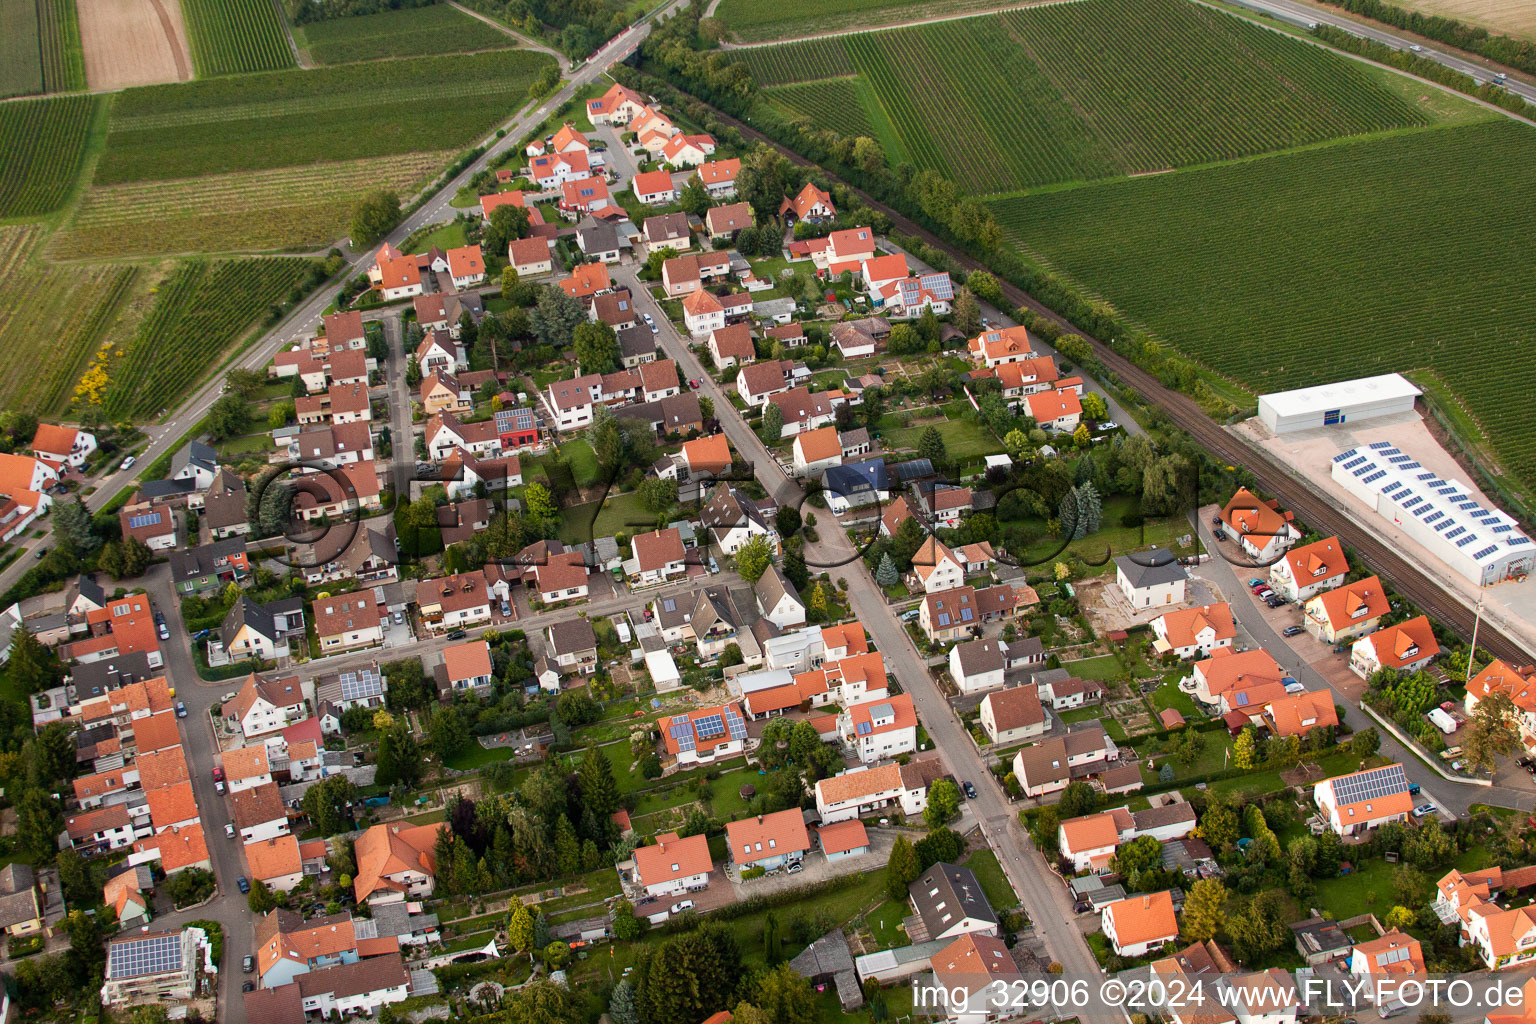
834	103
1338	275
62	55
292	208
234	36
199	313
43	142
417	31
21	65
289	118
52	319
798	62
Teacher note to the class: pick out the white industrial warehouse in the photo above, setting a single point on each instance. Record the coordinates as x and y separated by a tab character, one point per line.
1345	401
1481	544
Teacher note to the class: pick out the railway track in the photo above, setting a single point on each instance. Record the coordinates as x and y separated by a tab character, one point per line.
1293	492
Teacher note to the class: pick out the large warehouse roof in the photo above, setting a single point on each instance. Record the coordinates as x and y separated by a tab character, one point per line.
1340	394
1482	535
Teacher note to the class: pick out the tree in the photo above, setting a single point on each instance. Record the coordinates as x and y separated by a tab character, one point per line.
373	216
1094	407
1243	750
694	198
1495	731
520	929
967	313
753	558
72	527
885	573
1205	911
228	417
555	317
621	1003
1365	743
785	997
34	667
772	427
597	347
931	446
943	803
787	521
39	820
901	870
260	899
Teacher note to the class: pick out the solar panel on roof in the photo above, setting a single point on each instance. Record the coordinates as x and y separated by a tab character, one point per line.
1370	785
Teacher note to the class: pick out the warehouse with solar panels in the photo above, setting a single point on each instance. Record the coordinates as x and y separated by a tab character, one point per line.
1480	543
1337	404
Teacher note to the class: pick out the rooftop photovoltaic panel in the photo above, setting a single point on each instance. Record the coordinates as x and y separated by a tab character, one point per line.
138	957
1370	785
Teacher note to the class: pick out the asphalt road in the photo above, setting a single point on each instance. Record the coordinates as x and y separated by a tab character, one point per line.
1043	897
1304	14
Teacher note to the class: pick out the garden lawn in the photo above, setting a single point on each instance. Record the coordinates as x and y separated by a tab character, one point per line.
984	865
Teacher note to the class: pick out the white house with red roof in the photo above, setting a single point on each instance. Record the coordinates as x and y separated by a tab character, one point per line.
69	446
687	150
672	865
881	728
719	177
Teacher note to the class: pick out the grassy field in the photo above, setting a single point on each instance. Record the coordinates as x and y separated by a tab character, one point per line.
53	318
293	208
63	59
234	36
752	20
200	311
1074	92
1345	272
21	65
289	118
44	142
416	32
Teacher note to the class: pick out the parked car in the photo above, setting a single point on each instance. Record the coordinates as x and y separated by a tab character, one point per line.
1423	809
678	908
243	883
457	634
181	709
229	831
248	964
1292	631
128	462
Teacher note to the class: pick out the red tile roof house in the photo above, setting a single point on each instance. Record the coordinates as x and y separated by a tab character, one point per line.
673	865
654	188
347	621
690	271
768	841
68	445
658	557
453	602
719	177
731	345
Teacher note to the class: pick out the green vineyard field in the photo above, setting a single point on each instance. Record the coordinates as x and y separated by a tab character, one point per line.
414	32
291	208
62	55
52	318
234	36
21	67
286	118
200	311
1079	91
43	142
1340	261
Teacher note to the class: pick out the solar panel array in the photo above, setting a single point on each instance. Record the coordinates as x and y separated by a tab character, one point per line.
1370	785
365	682
138	957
